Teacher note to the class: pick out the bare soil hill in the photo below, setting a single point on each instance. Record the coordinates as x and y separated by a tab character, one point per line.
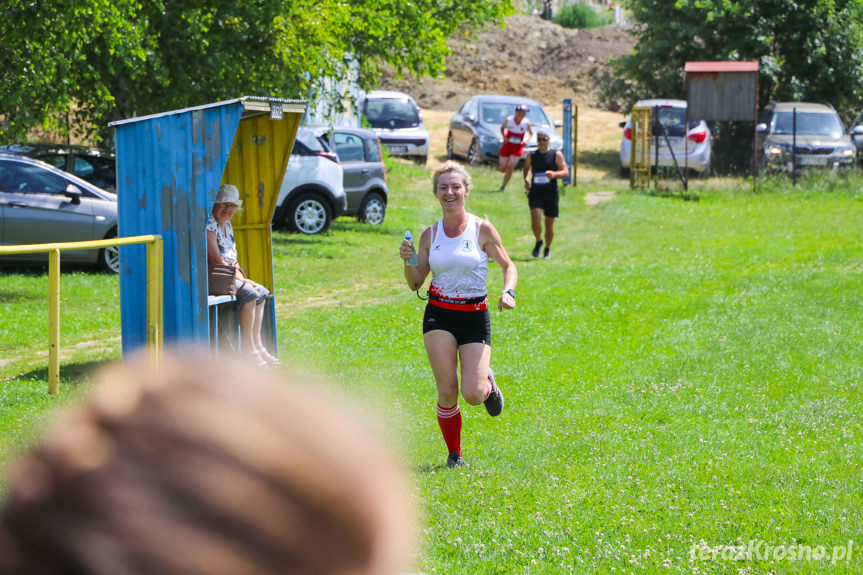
535	58
529	57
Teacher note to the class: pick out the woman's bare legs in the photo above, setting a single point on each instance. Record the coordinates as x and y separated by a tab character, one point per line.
247	321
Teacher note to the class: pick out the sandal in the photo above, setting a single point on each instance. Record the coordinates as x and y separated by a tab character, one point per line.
269	358
258	359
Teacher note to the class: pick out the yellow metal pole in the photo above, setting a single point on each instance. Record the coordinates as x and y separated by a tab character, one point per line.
154	293
154	300
54	322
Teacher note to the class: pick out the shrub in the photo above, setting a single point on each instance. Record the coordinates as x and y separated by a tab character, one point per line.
579	16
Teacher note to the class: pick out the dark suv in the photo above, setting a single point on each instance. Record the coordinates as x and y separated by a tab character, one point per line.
795	135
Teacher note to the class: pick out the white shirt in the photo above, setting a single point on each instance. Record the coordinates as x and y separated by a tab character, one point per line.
458	265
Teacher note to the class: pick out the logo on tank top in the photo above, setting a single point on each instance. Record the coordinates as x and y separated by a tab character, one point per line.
467	246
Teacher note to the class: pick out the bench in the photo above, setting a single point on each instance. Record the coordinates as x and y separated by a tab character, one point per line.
224	314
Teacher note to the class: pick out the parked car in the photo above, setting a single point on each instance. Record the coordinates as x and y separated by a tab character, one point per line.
95	165
820	139
41	204
312	193
396	119
690	141
857	137
365	176
474	131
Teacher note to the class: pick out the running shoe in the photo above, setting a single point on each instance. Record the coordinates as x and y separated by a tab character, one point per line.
494	402
536	248
546	254
455	460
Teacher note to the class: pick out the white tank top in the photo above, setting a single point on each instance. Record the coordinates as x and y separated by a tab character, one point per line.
458	265
515	132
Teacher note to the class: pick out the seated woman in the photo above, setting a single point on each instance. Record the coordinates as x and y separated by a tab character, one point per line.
222	249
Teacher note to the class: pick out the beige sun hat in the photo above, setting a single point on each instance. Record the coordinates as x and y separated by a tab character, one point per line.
228	194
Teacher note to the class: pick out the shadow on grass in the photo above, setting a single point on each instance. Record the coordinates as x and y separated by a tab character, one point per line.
427	468
600	160
687	196
71	374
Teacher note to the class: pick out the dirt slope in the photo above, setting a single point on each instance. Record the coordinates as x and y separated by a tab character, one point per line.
527	57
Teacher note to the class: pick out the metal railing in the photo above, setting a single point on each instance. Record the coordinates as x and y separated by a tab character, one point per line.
154	293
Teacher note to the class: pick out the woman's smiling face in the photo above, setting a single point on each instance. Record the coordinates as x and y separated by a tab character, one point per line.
451	190
222	212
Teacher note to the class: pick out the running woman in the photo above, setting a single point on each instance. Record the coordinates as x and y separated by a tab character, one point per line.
514	129
456	324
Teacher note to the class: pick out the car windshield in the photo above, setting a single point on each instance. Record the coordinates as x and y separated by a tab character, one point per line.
311	141
496	112
392	113
808	123
673	120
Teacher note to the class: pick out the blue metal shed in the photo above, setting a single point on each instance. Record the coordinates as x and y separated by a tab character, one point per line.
169	167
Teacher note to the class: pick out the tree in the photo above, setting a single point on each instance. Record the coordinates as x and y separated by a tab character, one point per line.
808	49
77	64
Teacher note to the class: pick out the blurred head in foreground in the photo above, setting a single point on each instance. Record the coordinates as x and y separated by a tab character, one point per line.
204	469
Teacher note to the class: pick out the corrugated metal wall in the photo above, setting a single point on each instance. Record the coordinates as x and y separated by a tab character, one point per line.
169	167
721	97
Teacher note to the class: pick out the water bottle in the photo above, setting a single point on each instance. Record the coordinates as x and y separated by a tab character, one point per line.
412	261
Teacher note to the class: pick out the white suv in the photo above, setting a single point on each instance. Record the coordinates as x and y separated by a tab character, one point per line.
312	192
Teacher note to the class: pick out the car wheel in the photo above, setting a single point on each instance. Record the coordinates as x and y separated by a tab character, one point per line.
109	258
309	214
473	153
373	209
449	153
421	160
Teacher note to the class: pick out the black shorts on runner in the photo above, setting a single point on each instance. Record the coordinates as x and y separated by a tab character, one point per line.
546	200
465	326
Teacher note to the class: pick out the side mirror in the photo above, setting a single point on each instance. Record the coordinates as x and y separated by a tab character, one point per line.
857	131
622	124
469	118
73	193
761	128
558	124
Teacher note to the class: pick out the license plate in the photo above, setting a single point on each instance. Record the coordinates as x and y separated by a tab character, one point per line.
397	149
812	160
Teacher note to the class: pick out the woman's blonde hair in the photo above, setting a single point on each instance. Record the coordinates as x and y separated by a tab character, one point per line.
205	468
450	166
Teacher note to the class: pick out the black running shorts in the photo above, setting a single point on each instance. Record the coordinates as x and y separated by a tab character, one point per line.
465	326
546	200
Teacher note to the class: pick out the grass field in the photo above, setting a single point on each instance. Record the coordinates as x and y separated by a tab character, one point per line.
683	377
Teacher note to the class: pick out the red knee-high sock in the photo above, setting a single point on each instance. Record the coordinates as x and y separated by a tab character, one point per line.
449	419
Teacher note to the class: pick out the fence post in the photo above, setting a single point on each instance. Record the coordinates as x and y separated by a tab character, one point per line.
54	321
154	300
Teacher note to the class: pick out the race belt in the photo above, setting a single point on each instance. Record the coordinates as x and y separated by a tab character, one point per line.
459	304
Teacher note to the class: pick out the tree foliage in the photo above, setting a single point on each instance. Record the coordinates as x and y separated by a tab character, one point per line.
81	63
809	50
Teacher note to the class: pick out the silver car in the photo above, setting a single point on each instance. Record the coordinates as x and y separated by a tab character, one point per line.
41	204
396	119
689	141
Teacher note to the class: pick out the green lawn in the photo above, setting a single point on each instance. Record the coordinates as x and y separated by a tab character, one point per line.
681	373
